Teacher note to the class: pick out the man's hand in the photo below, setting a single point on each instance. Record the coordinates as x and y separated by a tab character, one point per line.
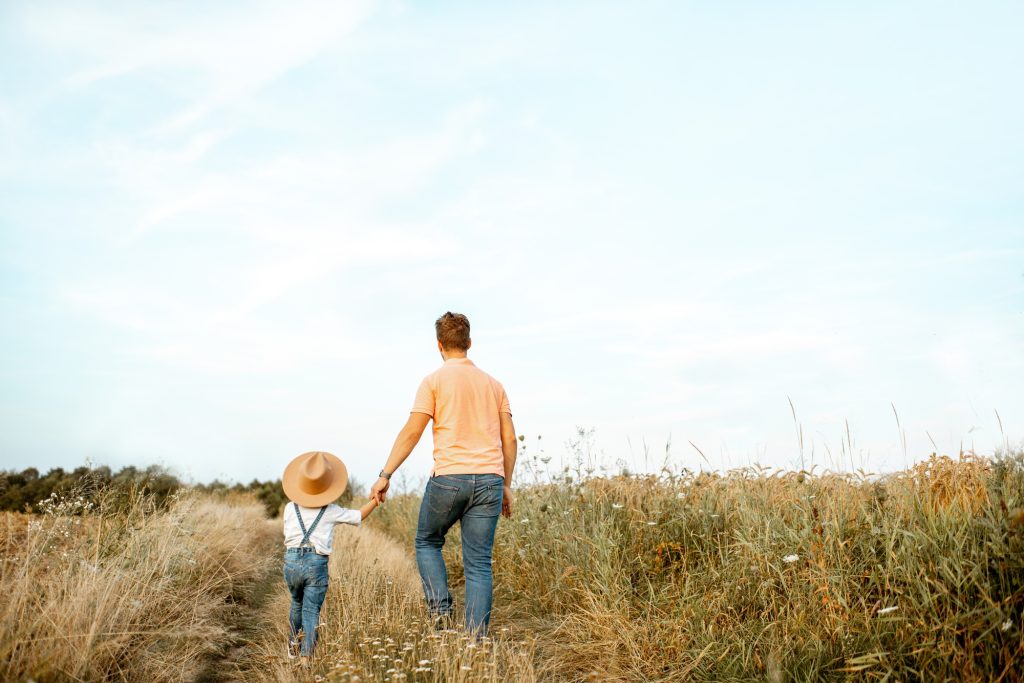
379	489
506	502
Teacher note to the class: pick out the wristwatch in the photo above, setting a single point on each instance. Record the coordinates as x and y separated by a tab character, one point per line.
385	475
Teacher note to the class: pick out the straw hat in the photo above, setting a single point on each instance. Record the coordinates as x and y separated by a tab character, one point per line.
314	479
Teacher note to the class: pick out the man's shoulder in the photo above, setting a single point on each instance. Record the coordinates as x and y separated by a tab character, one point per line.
491	378
431	378
451	372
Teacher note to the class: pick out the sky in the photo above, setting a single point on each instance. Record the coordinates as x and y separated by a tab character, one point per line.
226	230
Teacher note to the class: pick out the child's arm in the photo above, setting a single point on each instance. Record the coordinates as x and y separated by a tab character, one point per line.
368	508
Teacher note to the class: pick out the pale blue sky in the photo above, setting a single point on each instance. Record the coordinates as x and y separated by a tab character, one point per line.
225	232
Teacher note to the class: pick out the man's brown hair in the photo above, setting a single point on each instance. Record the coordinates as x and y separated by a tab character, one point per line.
453	331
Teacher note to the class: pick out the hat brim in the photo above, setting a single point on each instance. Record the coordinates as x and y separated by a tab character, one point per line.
339	482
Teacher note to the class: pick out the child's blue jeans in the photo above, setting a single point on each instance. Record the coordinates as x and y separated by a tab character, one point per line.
305	572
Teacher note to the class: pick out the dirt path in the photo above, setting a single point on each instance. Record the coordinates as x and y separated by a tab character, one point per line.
373	628
246	620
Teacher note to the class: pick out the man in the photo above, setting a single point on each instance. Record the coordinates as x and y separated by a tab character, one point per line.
474	455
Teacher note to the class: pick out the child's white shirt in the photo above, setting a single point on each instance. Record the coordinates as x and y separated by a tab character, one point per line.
323	535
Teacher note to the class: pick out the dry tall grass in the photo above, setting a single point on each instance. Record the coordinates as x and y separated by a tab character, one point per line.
130	594
758	574
752	575
373	627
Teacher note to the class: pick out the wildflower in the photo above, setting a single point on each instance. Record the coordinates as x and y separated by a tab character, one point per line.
424	662
789	559
617	506
1006	626
524	520
651	523
466	668
887	610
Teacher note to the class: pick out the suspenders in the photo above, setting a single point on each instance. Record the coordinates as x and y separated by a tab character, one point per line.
307	532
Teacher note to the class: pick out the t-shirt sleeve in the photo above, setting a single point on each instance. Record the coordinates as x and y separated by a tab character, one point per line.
424	402
504	407
346	516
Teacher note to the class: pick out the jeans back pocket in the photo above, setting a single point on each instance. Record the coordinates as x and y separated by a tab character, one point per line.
441	497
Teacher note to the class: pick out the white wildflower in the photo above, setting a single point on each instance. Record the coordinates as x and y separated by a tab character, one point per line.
789	559
524	520
651	523
888	610
617	506
1007	625
423	662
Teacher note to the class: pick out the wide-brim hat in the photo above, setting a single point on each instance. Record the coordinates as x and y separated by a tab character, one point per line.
315	479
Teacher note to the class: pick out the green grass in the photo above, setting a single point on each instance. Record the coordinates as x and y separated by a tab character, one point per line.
684	576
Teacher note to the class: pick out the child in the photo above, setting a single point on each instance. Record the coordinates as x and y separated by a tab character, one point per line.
312	482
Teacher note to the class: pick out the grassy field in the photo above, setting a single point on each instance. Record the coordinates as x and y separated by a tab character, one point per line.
751	575
127	593
373	627
758	575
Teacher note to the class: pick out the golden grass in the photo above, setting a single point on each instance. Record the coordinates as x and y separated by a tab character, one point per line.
373	627
758	574
132	595
749	575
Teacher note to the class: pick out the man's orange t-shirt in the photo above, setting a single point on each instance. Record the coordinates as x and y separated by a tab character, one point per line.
465	403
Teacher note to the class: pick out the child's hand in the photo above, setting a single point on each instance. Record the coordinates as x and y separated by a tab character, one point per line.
368	508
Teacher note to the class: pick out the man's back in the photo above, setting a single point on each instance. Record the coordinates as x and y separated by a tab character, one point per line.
465	404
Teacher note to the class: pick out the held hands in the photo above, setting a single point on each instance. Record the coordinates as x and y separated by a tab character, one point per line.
506	502
379	489
368	508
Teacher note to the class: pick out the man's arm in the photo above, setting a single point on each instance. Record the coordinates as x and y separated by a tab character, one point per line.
404	443
509	448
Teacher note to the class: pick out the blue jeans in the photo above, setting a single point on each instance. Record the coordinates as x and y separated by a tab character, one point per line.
305	572
473	500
